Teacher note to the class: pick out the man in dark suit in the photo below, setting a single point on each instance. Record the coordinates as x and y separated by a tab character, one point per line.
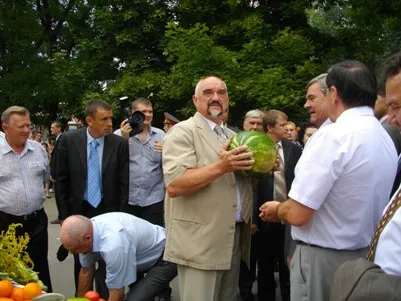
272	235
75	194
56	129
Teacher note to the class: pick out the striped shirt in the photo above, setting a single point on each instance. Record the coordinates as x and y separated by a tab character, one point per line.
21	178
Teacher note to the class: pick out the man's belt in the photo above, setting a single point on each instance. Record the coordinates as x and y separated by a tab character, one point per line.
26	217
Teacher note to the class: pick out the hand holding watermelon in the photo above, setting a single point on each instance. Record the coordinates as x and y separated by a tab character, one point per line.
235	159
263	151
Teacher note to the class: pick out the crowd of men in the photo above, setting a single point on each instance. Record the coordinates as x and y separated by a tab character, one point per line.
139	208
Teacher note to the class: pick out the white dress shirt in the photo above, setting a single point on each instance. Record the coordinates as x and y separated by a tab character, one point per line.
345	175
388	250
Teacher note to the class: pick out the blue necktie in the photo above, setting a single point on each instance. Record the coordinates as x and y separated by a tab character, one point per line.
94	185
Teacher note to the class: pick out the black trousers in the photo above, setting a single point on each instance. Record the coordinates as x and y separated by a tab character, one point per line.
157	278
248	275
271	248
36	227
100	274
153	214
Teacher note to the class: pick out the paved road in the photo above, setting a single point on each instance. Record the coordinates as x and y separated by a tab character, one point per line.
62	272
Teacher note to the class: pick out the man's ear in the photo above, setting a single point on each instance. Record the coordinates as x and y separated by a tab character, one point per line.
334	95
89	120
195	100
269	128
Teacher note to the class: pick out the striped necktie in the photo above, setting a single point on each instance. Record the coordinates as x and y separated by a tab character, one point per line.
244	184
391	210
94	182
280	186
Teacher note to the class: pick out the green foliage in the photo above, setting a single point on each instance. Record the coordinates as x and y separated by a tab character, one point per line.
56	55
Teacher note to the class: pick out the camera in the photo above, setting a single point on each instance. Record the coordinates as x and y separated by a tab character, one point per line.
135	120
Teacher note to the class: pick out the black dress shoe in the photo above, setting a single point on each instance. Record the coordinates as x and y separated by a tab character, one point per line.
55	222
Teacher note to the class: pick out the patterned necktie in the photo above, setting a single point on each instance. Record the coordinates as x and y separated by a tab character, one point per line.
94	184
279	179
244	184
391	210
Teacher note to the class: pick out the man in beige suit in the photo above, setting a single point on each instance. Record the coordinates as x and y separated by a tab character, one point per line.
207	207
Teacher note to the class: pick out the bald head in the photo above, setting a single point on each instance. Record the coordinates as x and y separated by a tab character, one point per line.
76	232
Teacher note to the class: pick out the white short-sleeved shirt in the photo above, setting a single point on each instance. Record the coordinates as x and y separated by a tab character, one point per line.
127	244
345	174
388	250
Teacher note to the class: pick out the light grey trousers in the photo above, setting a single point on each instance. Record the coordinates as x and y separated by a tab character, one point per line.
211	285
313	268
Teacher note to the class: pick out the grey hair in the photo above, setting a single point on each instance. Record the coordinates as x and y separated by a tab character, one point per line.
321	79
254	114
202	79
5	116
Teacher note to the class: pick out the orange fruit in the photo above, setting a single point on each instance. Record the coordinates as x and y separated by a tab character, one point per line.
18	294
5	299
32	290
6	288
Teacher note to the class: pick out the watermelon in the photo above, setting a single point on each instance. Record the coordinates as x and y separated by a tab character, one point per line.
263	148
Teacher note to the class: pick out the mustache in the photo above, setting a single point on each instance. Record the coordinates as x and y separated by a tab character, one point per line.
215	103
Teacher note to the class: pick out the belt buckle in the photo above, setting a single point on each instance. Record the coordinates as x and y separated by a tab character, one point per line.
30	216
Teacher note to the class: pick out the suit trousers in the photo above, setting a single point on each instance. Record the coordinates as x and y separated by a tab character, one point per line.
212	285
38	245
313	268
157	278
248	275
271	248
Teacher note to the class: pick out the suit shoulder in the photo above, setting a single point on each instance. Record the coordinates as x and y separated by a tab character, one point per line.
116	138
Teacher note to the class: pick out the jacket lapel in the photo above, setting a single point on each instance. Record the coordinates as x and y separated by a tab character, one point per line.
107	150
83	149
206	132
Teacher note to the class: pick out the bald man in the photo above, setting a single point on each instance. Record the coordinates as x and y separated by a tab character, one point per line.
127	245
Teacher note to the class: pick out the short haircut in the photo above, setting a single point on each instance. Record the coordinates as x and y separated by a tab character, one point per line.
392	66
381	87
254	114
321	79
206	77
5	117
355	83
270	118
293	123
94	105
140	100
58	124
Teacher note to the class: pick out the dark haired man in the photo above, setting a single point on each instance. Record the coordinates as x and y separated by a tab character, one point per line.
92	170
342	183
275	187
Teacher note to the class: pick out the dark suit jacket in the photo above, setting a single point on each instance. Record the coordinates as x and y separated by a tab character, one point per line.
395	135
265	191
53	159
71	172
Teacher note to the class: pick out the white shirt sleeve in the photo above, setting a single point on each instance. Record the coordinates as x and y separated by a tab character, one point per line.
318	168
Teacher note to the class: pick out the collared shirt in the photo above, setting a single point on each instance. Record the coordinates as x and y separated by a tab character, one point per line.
345	174
388	250
99	149
127	245
146	182
383	120
21	178
2	135
238	216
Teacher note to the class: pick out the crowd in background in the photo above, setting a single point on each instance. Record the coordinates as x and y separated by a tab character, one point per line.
139	206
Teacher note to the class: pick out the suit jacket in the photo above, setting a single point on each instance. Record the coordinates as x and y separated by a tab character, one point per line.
53	159
71	172
292	153
201	226
362	280
265	188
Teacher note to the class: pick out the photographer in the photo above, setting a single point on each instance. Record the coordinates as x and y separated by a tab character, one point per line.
146	183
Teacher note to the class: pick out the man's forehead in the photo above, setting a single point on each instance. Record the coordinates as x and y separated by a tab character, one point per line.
212	82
